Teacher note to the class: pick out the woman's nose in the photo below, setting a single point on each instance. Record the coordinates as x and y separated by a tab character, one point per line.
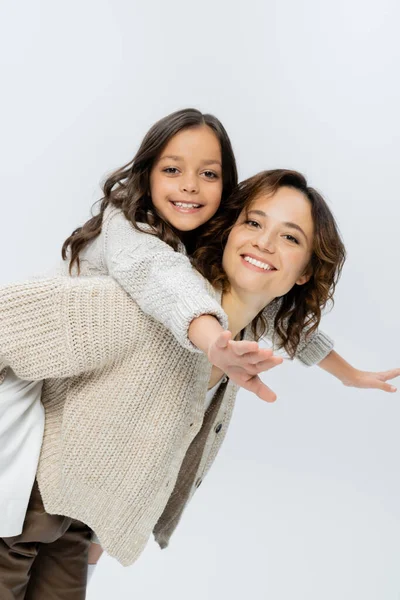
265	241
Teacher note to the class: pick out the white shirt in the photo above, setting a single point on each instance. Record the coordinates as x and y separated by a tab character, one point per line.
21	433
211	392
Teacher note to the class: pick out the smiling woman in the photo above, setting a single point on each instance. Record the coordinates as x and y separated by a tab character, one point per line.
267	260
279	221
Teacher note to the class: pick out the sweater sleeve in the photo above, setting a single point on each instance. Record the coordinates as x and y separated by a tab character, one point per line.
160	280
64	326
311	349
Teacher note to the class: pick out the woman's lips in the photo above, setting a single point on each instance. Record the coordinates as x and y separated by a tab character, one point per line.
255	267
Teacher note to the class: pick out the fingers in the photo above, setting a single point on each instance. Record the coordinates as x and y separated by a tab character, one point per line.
386	387
379	380
378	383
385	375
261	356
257	355
259	388
262	366
270	363
223	339
243	347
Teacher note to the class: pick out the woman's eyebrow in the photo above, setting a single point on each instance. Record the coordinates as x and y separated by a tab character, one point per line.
285	223
210	161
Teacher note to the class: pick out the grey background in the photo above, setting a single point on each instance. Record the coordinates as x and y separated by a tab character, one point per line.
303	501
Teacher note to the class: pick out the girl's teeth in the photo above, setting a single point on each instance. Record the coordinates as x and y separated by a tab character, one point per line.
257	263
185	205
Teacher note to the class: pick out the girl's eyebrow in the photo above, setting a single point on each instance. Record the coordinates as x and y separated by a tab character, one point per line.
211	161
285	223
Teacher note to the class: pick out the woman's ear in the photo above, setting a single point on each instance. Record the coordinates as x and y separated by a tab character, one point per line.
304	278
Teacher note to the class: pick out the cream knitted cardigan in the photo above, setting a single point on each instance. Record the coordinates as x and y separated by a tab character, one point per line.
126	440
125	392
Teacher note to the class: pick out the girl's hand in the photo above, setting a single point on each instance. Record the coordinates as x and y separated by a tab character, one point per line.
242	362
370	380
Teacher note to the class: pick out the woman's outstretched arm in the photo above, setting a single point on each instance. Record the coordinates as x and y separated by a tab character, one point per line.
349	376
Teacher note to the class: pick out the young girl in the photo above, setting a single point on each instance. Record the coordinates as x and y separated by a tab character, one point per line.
129	437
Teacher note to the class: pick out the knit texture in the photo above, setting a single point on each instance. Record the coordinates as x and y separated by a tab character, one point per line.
160	280
124	391
126	440
312	347
123	403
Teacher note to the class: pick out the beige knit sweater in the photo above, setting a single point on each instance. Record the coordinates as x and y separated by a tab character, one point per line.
126	440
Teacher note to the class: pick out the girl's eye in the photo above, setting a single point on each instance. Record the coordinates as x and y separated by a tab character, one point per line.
171	170
210	175
291	238
252	223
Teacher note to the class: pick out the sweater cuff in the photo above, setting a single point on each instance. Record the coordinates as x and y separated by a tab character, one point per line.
316	350
184	315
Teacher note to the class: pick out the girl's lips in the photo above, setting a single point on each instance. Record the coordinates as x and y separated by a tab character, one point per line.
255	268
186	211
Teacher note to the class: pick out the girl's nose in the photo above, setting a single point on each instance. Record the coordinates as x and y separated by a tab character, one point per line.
189	185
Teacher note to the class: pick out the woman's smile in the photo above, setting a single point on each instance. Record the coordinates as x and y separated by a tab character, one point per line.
269	248
256	263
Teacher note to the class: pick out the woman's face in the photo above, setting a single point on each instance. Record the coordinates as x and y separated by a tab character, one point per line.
186	180
270	246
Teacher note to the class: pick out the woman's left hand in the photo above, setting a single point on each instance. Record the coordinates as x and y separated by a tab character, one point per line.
371	380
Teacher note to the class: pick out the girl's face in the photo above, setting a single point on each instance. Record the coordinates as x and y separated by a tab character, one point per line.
270	246
186	179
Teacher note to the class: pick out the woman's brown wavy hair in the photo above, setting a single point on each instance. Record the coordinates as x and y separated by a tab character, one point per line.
300	309
128	188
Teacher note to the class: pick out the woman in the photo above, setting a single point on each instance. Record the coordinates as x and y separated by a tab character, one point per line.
128	435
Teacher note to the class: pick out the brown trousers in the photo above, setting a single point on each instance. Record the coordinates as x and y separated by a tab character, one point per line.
48	560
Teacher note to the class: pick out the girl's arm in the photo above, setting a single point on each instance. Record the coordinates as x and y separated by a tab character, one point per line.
162	282
64	326
348	375
166	286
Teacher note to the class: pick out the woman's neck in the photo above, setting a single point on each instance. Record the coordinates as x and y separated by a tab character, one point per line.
239	310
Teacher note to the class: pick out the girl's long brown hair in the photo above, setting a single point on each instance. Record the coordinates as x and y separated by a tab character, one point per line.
128	187
300	309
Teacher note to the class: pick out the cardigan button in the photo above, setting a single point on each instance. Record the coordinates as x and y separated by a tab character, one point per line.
218	428
198	482
224	379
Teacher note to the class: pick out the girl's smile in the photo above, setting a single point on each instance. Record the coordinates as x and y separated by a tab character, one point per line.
186	180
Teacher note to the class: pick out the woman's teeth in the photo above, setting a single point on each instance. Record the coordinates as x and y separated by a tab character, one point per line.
258	263
186	205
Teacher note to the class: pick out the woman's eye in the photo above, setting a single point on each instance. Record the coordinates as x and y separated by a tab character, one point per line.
171	170
291	238
252	223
